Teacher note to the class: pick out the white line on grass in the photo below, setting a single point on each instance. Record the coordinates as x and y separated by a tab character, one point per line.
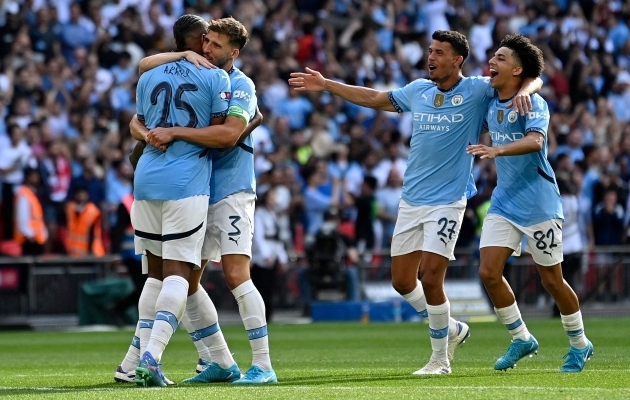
325	388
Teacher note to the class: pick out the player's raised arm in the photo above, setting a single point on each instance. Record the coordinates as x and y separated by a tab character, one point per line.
313	81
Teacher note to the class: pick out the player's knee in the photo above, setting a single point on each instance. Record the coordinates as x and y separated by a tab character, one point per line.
403	286
235	276
488	276
552	284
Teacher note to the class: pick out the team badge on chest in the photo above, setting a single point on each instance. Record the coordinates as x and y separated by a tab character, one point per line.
500	115
457	100
512	116
438	100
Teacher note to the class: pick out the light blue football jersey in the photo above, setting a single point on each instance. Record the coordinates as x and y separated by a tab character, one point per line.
178	94
526	192
233	169
444	123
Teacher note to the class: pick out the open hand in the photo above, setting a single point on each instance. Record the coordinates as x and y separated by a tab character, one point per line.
309	81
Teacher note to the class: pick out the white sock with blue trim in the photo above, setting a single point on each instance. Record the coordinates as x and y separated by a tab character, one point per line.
438	330
574	327
132	357
252	309
169	310
202	349
203	317
510	316
417	300
146	312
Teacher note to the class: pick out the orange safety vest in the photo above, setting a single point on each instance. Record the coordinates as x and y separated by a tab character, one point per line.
37	217
79	226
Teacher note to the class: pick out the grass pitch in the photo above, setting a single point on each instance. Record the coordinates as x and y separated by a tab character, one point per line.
323	361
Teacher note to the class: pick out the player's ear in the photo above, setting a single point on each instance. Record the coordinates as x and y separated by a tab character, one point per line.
235	53
517	71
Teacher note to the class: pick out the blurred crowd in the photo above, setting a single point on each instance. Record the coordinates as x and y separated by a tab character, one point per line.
68	74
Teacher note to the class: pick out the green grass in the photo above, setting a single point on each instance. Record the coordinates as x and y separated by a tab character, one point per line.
325	361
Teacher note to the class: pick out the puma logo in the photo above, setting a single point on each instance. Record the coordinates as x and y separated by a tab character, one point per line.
547	252
424	96
234	240
444	241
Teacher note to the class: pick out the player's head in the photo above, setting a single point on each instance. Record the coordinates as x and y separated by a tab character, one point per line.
516	58
188	31
447	54
225	39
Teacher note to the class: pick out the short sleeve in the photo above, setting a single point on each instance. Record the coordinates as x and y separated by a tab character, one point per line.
537	120
402	98
243	99
140	103
221	93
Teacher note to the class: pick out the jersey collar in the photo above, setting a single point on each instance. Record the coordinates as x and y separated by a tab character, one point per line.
506	100
453	88
231	70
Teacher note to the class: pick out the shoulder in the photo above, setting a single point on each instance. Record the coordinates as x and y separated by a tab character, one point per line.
538	103
240	81
476	81
420	84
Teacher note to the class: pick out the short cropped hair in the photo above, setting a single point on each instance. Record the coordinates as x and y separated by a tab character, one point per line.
456	40
529	56
233	29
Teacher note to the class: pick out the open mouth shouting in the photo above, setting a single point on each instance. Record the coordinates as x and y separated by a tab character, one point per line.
493	73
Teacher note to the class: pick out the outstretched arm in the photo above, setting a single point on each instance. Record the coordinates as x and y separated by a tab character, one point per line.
531	143
522	102
313	81
156	60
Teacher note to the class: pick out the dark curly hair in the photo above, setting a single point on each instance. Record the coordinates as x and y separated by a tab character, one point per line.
526	54
456	40
185	25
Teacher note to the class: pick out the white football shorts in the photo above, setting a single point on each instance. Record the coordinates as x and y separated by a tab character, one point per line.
428	228
171	229
230	227
544	240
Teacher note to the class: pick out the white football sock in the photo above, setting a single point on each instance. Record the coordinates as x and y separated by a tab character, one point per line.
133	354
146	311
438	329
417	300
574	327
510	316
252	309
169	307
202	349
204	319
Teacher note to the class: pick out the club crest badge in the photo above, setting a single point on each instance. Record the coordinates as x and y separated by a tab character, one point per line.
438	100
500	116
512	116
457	100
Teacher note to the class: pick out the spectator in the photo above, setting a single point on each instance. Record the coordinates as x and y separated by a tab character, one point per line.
30	230
84	235
268	252
13	159
388	199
